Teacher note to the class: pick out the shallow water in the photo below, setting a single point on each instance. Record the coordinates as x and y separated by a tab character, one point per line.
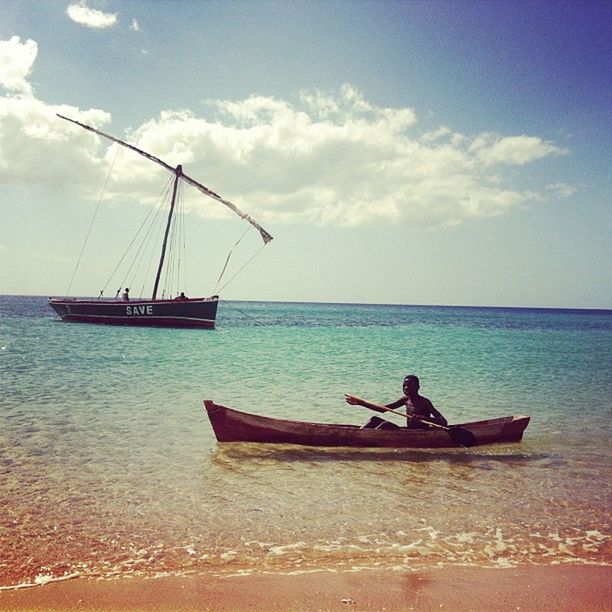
108	465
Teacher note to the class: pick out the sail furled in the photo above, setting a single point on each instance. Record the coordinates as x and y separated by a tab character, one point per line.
265	236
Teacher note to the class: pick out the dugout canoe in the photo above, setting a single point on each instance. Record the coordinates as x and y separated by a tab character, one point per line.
232	425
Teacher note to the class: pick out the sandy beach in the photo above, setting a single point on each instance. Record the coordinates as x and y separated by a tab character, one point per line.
559	588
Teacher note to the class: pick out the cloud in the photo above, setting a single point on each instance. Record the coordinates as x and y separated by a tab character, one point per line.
92	18
16	61
323	158
134	26
513	150
561	189
436	134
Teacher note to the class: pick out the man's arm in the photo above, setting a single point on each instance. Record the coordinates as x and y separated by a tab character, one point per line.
357	401
400	403
437	416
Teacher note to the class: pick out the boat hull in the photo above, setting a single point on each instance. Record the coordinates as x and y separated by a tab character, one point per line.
197	312
232	425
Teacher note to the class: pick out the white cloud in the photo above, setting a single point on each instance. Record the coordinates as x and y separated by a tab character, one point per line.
513	150
561	189
92	18
31	137
436	134
327	159
134	26
16	61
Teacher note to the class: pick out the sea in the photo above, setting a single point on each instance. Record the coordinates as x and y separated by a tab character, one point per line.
109	467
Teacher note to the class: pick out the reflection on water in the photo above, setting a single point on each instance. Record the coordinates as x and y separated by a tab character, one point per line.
231	454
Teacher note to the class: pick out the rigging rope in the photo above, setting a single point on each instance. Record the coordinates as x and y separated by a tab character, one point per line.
248	316
139	253
228	258
181	280
172	269
241	269
146	231
110	169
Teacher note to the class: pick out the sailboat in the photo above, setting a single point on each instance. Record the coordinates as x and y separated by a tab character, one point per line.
178	311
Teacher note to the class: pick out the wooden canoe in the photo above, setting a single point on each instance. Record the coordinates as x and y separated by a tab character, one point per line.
232	425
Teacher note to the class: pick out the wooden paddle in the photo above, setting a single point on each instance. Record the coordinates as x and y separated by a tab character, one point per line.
459	435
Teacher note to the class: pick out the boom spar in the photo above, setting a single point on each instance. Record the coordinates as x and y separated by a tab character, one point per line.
265	236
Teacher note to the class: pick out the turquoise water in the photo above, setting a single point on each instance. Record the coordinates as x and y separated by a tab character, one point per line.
108	465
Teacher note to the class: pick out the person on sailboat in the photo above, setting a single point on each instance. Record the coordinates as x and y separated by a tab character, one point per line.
417	407
181	297
126	295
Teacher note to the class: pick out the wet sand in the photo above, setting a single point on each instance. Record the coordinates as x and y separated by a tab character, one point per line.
552	587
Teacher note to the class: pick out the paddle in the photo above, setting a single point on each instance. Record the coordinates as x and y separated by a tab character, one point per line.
459	435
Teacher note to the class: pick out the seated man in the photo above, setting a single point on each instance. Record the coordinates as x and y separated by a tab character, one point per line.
417	408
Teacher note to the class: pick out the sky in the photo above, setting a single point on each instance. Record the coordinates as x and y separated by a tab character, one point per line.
418	152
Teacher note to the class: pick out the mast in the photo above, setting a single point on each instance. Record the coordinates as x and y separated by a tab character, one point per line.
178	172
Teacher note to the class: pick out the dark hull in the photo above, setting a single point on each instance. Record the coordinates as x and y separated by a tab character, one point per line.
235	426
199	312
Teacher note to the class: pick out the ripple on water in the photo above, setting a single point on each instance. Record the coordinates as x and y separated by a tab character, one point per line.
108	465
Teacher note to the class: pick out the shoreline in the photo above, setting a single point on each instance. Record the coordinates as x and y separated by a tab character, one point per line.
562	588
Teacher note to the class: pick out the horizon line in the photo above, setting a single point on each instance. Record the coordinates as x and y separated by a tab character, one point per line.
389	304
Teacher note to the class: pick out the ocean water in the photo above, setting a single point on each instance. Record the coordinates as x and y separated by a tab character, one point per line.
109	467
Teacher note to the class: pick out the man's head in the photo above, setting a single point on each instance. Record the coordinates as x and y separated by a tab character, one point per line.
411	384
